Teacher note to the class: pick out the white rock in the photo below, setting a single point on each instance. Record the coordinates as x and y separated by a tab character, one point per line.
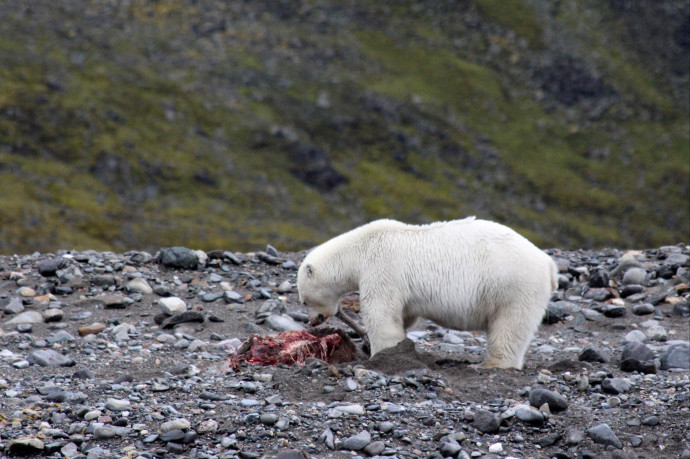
140	285
496	448
180	423
114	404
172	305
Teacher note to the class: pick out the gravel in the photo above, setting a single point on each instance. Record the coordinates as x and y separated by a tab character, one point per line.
92	364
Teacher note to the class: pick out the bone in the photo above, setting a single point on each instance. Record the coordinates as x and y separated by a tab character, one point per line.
352	323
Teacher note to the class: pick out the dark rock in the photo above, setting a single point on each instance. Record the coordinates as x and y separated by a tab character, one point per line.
599	279
631	365
292	454
556	402
49	267
593	354
614	310
182	317
603	435
643	309
650	421
374	448
549	440
83	373
637	351
631	289
676	356
682	308
25	446
486	421
178	257
554	313
598	294
15	306
172	435
615	385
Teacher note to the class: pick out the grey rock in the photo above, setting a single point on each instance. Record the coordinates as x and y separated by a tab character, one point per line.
211	297
178	257
650	421
231	296
356	442
573	436
283	323
486	421
657	333
15	306
25	446
598	294
635	336
374	448
603	435
49	267
172	305
114	404
593	354
27	317
268	419
676	356
53	315
634	276
554	313
555	401
175	424
450	448
598	279
682	308
637	351
643	309
592	315
289	265
103	433
529	416
615	385
50	358
140	285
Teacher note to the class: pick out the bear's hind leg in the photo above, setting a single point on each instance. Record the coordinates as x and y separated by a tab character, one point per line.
507	341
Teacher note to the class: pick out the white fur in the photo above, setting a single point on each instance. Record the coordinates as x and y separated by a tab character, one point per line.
464	274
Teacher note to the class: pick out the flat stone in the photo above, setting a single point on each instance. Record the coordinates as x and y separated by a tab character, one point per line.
593	354
283	323
356	442
676	356
53	315
637	351
555	401
25	446
603	435
180	424
592	315
486	421
231	296
178	257
115	301
15	306
615	385
27	317
114	404
172	305
140	285
50	358
92	329
529	416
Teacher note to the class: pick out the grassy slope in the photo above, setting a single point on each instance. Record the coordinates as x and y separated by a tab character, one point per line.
189	122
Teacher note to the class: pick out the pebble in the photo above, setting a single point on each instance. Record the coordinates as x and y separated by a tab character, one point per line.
27	317
676	356
657	333
92	329
14	306
175	424
139	285
593	354
487	421
114	404
282	323
603	434
172	305
53	315
178	257
615	385
634	276
643	309
555	401
356	442
50	358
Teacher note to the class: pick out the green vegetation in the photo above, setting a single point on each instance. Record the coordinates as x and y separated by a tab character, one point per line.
182	123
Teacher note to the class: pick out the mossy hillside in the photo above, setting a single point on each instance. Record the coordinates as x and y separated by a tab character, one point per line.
187	120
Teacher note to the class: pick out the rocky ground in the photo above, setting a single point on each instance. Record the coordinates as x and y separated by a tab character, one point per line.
126	355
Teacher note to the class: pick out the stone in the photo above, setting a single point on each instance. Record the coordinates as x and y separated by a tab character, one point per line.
632	289
529	416
554	313
634	276
593	354
114	404
26	292
682	308
231	296
592	315
140	285
496	448
555	401
49	267
637	351
573	436
615	385
53	315
172	305
115	301
643	309
603	435
25	446
486	421
283	323
178	257
676	356
598	279
15	306
614	310
635	336
93	329
27	317
356	442
103	433
657	333
50	358
209	426
598	294
179	424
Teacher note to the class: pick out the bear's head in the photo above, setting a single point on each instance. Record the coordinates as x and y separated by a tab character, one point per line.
317	293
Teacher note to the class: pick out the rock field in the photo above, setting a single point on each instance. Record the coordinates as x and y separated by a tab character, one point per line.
106	355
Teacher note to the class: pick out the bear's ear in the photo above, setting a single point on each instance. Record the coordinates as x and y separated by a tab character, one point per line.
310	270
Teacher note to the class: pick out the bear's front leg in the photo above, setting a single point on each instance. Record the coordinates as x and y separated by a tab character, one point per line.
384	323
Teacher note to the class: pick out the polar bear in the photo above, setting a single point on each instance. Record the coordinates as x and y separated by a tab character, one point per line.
464	274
